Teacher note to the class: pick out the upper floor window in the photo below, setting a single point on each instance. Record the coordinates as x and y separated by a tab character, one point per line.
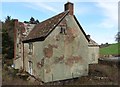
63	30
30	48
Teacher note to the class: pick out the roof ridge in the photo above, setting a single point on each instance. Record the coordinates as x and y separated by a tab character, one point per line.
53	16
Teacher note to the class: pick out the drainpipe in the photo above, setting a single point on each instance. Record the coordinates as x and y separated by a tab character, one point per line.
23	57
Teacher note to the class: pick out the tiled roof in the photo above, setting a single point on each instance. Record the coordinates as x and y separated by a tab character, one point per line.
92	42
43	29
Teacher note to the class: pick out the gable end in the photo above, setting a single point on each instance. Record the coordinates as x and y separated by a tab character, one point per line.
81	29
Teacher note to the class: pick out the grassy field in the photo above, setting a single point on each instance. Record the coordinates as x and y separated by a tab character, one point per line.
112	49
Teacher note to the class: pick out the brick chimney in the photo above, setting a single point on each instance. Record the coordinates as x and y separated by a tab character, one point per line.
69	6
15	34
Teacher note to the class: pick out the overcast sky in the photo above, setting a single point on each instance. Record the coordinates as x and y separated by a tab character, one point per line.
97	17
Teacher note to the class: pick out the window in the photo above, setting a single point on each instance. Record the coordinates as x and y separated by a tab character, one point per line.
62	30
30	48
30	67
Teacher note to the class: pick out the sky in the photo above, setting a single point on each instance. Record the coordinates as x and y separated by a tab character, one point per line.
99	18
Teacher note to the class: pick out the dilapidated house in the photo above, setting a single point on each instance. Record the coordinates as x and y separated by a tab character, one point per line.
55	49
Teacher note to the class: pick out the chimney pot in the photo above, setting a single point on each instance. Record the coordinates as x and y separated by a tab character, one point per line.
69	6
88	36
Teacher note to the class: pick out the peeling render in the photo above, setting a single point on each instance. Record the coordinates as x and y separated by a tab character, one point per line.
59	59
70	35
73	59
48	52
63	54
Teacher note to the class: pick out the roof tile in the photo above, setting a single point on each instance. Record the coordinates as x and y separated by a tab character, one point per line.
44	28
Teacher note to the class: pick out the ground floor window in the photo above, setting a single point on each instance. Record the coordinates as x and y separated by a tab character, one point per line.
30	67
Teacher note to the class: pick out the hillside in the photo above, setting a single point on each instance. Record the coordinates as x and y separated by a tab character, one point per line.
112	49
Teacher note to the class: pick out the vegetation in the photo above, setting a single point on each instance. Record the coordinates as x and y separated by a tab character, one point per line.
112	49
32	21
99	74
117	37
7	38
10	77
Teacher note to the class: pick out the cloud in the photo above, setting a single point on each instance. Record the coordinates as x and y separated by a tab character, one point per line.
1	11
46	6
106	21
110	12
79	10
105	25
58	0
41	6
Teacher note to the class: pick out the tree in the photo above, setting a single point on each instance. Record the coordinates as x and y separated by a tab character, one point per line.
117	37
7	45
32	20
37	21
26	22
7	38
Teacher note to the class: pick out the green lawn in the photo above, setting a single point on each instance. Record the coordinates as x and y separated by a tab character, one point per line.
111	49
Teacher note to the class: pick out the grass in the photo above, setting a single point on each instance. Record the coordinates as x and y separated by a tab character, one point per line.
110	50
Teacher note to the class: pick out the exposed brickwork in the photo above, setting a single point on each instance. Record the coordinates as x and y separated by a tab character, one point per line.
59	59
71	34
69	6
77	59
48	52
73	59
